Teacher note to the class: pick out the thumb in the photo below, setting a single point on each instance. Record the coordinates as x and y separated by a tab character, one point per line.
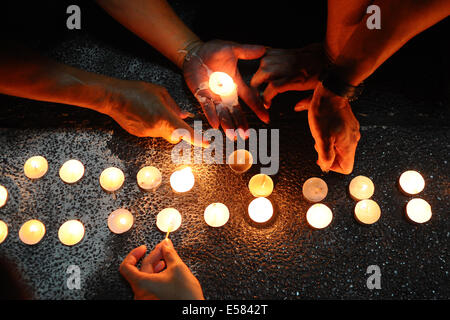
303	104
248	51
169	254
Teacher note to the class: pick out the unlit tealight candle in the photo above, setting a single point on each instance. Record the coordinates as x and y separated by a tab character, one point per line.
31	232
260	210
418	210
3	196
35	167
149	178
319	216
71	232
367	211
411	182
261	185
120	221
361	188
216	214
168	220
111	179
71	171
315	189
240	160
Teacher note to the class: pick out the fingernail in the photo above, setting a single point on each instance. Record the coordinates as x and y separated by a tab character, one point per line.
188	114
168	243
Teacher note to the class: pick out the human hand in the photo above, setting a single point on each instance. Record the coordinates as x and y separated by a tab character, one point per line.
147	110
218	55
163	275
334	129
290	70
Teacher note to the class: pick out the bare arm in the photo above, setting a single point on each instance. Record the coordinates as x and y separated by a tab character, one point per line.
155	22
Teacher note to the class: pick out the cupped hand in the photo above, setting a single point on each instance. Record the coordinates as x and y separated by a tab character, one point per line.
147	110
163	275
290	70
334	129
218	55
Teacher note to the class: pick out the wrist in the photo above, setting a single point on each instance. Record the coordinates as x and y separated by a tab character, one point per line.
335	80
187	50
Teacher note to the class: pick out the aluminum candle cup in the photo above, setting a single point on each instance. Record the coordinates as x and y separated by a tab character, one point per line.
71	232
315	189
411	182
418	210
32	232
319	216
35	167
112	179
367	211
361	188
71	171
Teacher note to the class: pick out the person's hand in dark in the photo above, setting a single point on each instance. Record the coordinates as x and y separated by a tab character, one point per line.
163	275
201	60
291	70
147	110
334	129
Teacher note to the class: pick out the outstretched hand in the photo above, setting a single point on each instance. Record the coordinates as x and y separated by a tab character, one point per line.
218	55
163	275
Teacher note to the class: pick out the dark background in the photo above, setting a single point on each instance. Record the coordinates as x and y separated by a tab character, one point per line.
403	113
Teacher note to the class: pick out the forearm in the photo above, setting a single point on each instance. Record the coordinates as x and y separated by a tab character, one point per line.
28	75
367	49
156	23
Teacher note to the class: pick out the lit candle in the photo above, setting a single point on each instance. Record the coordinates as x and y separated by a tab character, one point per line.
35	167
261	185
71	232
120	221
3	196
112	179
240	161
31	232
3	231
367	211
411	182
71	171
418	210
260	210
216	214
361	188
315	189
223	85
168	220
149	178
182	180
319	216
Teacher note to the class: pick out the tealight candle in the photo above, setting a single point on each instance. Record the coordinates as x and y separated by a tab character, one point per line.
3	231
411	182
149	178
168	220
3	196
35	167
261	185
260	210
31	232
223	85
367	211
315	189
216	214
319	216
111	179
120	221
240	160
71	232
361	188
182	180
418	210
71	171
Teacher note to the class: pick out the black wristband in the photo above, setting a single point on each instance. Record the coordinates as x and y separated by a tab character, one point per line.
331	81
